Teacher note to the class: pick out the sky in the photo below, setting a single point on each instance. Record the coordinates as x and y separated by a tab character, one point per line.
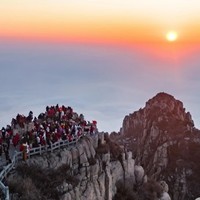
104	59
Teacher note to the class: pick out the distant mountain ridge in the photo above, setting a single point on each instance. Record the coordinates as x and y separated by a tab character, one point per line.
166	143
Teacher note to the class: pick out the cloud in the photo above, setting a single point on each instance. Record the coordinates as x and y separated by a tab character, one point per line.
104	83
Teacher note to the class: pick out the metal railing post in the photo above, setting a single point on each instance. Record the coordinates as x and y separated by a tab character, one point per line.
7	196
40	150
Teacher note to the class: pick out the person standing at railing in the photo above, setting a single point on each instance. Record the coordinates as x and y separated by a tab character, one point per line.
38	139
6	151
25	151
7	157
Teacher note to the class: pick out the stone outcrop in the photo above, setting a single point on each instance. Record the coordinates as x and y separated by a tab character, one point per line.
97	173
165	142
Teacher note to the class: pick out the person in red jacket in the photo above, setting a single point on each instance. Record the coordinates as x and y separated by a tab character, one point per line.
15	139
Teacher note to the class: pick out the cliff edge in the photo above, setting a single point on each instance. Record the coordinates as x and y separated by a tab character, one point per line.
96	168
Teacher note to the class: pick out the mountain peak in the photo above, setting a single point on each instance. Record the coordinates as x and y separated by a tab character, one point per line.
164	111
163	98
163	95
164	140
166	104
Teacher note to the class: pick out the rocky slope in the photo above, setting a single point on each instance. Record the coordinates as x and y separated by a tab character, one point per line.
165	142
96	168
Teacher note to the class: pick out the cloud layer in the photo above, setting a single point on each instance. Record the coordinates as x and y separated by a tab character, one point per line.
104	83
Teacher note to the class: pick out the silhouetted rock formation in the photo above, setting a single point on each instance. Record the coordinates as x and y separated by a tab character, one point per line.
165	142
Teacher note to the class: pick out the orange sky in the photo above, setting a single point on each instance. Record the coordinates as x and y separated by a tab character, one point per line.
100	21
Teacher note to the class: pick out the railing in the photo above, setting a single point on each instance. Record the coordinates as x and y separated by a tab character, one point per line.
34	151
4	173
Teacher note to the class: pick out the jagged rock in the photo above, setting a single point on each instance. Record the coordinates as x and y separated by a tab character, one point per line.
165	196
164	141
139	174
101	184
39	161
64	188
66	196
66	157
108	183
75	156
97	175
82	156
53	160
88	147
117	174
106	158
164	186
94	170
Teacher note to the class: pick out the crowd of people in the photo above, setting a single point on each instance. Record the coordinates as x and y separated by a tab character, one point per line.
55	124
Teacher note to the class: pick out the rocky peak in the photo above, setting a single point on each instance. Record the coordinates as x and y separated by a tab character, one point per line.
162	111
164	141
167	105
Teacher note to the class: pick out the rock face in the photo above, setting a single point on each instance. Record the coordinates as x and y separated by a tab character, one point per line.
96	170
165	142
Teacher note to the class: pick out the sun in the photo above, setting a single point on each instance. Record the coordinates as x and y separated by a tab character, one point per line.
171	36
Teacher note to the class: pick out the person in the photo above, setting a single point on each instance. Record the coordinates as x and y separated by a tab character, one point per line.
6	151
30	117
7	139
25	151
5	147
3	132
15	139
7	156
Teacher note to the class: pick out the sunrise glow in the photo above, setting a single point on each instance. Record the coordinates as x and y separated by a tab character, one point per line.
98	21
172	36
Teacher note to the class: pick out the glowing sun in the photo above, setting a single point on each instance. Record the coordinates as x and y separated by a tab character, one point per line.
171	36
